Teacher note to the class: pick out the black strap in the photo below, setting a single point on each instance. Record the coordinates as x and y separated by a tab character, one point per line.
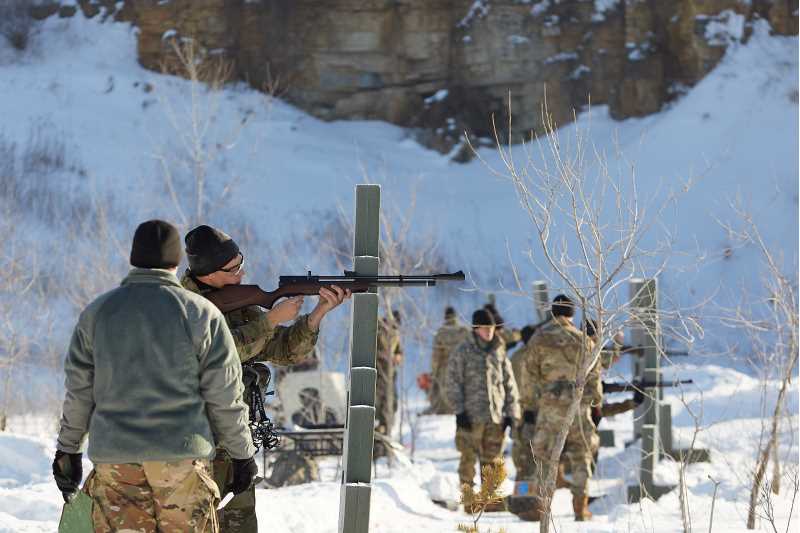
262	429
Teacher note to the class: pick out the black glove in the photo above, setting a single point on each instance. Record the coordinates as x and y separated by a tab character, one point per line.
463	421
597	415
508	422
638	397
68	472
244	471
529	417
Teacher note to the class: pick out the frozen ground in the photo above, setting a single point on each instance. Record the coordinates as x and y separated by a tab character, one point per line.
401	495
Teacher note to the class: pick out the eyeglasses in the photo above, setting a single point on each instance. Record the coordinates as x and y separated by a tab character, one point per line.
235	269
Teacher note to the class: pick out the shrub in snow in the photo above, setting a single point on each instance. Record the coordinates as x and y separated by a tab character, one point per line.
16	22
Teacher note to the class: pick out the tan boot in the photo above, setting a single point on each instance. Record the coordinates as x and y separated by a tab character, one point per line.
468	498
580	504
561	482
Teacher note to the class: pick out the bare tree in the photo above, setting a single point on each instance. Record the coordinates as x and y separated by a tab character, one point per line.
770	323
590	226
18	274
201	134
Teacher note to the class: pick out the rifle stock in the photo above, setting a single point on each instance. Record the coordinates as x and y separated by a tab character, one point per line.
232	297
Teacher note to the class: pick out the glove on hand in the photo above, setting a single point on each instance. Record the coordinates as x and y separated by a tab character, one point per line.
244	471
508	422
463	421
68	472
638	397
529	417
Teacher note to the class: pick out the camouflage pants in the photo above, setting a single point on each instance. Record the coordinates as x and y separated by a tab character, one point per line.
484	442
521	453
239	514
579	446
157	496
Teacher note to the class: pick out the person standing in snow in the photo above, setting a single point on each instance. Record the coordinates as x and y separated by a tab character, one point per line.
482	392
448	337
553	357
214	262
389	356
153	378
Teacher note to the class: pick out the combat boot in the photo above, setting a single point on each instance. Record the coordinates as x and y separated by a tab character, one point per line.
561	481
533	512
468	499
580	504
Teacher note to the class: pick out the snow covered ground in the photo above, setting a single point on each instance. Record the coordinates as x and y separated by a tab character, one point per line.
735	135
401	495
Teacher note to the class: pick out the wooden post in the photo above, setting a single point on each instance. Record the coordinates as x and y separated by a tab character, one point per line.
354	502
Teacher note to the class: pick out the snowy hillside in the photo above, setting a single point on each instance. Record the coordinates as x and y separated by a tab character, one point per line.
284	173
112	140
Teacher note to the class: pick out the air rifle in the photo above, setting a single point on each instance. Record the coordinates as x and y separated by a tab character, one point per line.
641	385
232	297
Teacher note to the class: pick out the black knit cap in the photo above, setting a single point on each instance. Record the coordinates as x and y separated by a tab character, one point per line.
562	306
208	250
156	244
449	311
498	319
482	317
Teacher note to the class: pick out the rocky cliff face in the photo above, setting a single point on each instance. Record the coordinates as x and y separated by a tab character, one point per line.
448	65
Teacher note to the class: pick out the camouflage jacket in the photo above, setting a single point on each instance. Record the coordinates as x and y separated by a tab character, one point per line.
480	381
527	399
152	375
447	338
610	354
510	337
388	347
551	362
257	340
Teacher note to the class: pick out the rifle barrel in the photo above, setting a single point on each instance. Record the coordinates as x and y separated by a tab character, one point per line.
396	280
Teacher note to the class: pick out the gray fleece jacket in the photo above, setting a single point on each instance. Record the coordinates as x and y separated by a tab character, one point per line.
152	374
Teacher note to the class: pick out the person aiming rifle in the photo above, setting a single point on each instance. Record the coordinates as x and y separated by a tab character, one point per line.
216	264
153	378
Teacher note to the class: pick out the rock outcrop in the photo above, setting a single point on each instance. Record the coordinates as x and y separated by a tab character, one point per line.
448	65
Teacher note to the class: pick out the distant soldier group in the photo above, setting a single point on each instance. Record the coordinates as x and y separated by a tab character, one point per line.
530	394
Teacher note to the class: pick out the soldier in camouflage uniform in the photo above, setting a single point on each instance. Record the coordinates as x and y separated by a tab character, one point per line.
447	337
522	435
389	356
553	360
214	262
482	391
153	377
